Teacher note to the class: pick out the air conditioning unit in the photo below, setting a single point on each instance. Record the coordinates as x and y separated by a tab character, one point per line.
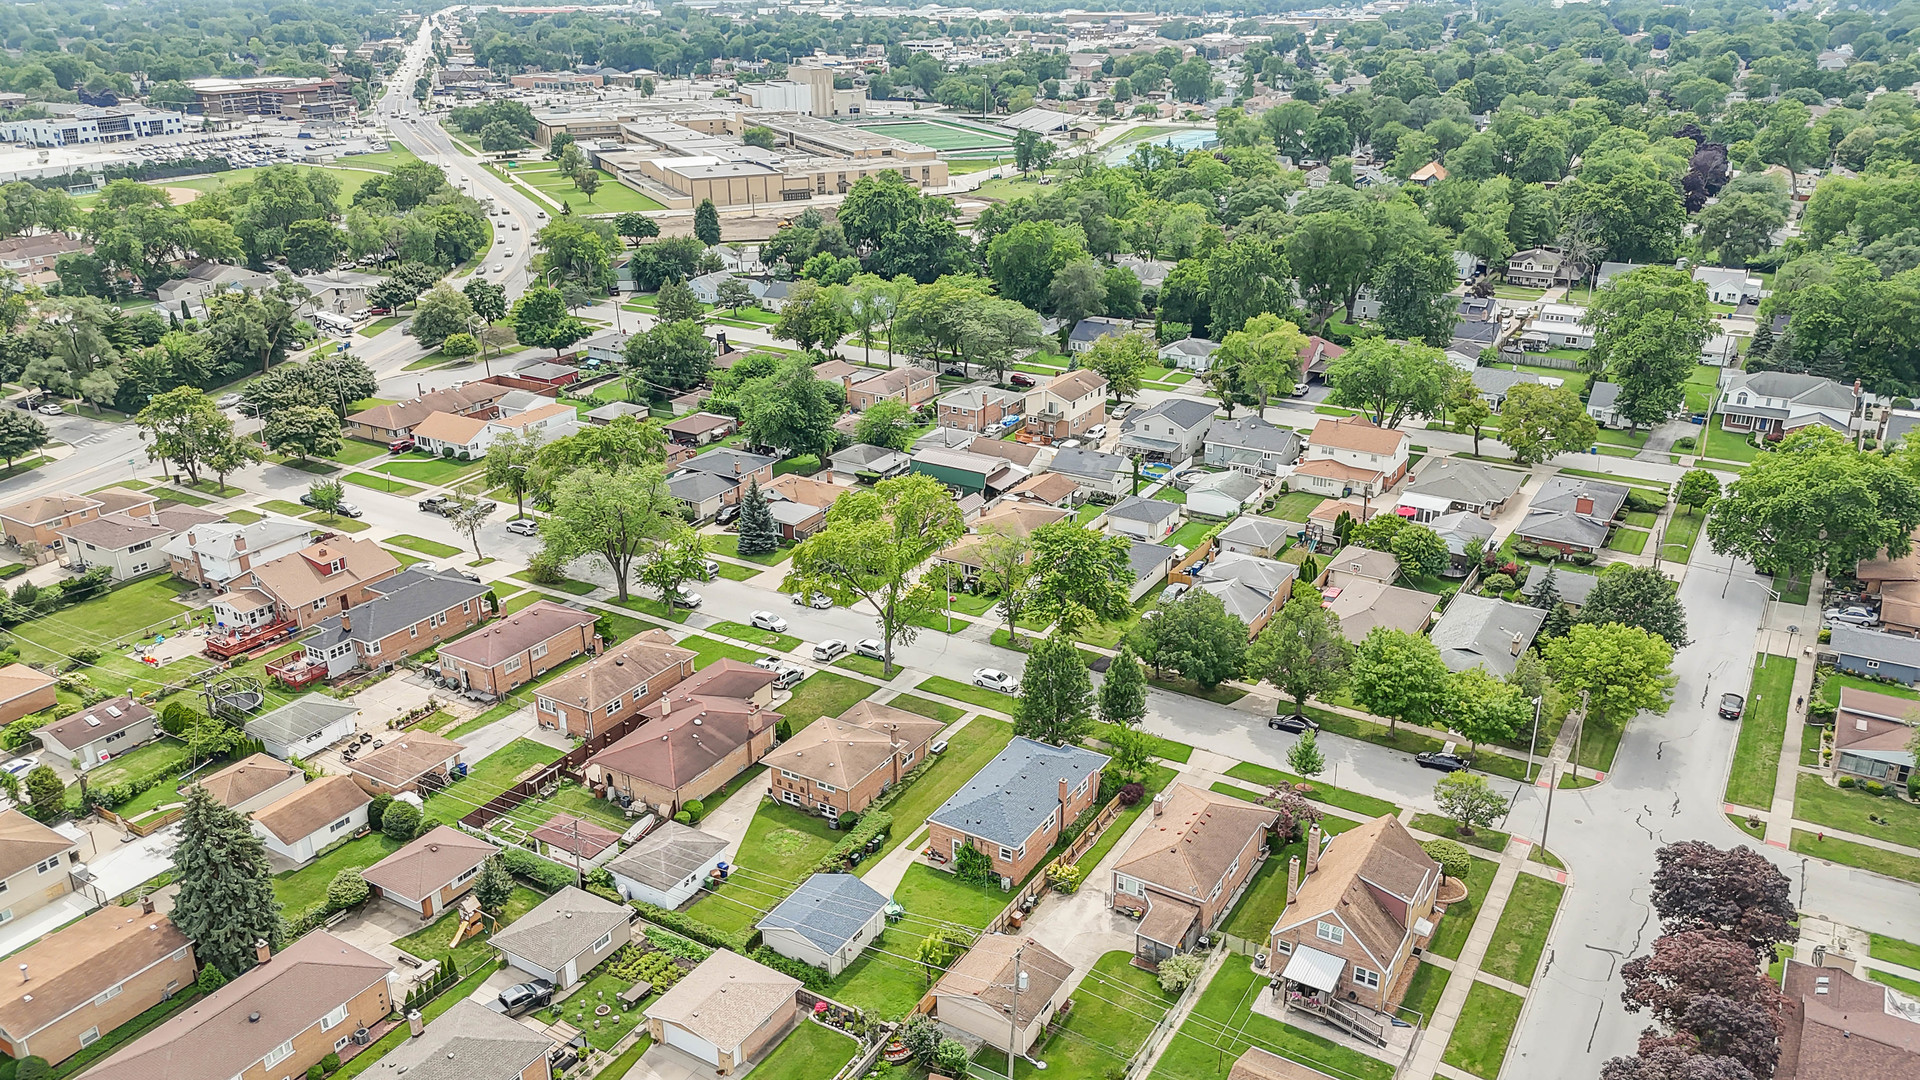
362	1037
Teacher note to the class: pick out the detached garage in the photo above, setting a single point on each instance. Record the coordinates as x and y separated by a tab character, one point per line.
727	1012
827	921
565	937
666	868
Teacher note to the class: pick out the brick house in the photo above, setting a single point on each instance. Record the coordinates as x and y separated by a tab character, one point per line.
385	423
41	519
472	1042
910	386
1352	454
700	734
408	613
430	874
91	977
1348	931
717	478
306	586
614	685
25	691
523	646
1067	406
309	1001
978	408
1015	807
799	504
1871	736
838	766
405	762
1187	869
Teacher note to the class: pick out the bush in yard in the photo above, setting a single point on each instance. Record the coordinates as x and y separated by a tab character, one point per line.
1582	558
33	1067
694	808
376	809
920	1035
1875	787
683	818
315	1072
1644	501
330	1063
347	889
690	927
1494	584
1684	442
401	822
1132	793
545	873
950	1057
873	823
972	865
1178	972
812	977
210	979
1452	857
1846	781
84	656
1065	876
783	730
847	821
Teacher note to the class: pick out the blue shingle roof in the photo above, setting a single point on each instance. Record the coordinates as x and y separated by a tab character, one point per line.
828	910
1017	791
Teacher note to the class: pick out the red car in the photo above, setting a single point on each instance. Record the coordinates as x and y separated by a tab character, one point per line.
399	446
1020	379
380	311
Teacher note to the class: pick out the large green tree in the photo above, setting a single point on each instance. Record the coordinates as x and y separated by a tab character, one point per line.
1391	380
619	517
1056	693
1196	636
1649	325
1481	707
1638	596
1079	576
1815	502
1538	421
183	426
225	904
1399	676
1621	669
1302	652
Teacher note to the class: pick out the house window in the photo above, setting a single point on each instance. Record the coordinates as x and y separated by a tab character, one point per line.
1326	931
1369	979
109	993
1125	884
829	788
469	872
789	798
639	692
1283	947
341	824
537	651
338	1015
1873	663
52	863
543	704
606	939
613	706
1006	855
320	604
341	1042
279	1054
512	665
90	1036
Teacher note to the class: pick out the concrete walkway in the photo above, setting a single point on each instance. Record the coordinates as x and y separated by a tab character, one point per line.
1780	819
1433	1043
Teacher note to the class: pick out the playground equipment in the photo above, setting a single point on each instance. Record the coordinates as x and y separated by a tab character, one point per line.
470	919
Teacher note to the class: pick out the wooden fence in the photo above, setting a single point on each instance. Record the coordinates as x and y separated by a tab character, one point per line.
529	783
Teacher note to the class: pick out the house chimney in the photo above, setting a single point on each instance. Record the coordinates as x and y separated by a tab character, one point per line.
1583	504
146	904
240	541
262	951
1063	790
736	466
1313	847
1159	805
346	620
1519	643
416	1027
1293	879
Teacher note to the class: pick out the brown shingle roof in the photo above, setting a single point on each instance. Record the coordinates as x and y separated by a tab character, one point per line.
1186	849
19	680
694	726
515	634
571	834
450	428
45	508
1356	433
312	807
632	662
406	759
97	722
700	423
74	965
429	862
725	999
1075	385
1869	721
297	580
238	1024
1051	488
1381	855
246	778
24	842
986	973
1845	1033
1021	454
471	397
841	751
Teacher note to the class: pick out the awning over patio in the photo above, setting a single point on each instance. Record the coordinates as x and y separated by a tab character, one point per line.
1434	504
1314	968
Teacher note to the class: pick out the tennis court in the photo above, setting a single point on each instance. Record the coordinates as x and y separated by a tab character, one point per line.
939	136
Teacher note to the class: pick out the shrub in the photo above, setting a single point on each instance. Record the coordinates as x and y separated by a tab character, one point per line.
545	873
1826	637
683	818
1644	501
315	1072
783	730
330	1063
1581	558
401	822
950	1057
210	979
1875	787
1846	781
347	889
1684	442
846	821
686	925
1494	584
695	809
673	944
1178	972
1870	444
545	568
33	1067
921	1035
1452	857
1527	549
1131	794
85	655
376	810
814	978
873	823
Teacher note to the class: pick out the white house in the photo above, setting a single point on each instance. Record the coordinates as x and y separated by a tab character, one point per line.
1720	350
706	287
131	545
1728	286
206	279
1094	471
1189	354
1174	430
1602	404
566	937
469	437
1352	455
665	869
100	732
300	824
303	726
1224	494
826	922
1779	402
1250	444
1557	326
218	552
1144	519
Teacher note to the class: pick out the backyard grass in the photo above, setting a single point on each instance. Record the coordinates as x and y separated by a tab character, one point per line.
1756	757
1424	989
1155	781
494	774
811	1052
967	692
823	694
940	711
430	941
432	548
1189	535
1837	681
1451	936
728	544
380	483
766	639
1521	935
1479	1043
1847	810
1223	1025
782	846
1117	1007
884	985
925	889
299	890
602	1032
1261	903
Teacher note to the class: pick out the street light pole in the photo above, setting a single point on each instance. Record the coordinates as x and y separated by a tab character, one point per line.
1534	739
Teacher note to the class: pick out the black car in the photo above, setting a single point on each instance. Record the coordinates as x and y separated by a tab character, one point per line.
522	998
1293	723
1732	706
345	509
727	514
1435	759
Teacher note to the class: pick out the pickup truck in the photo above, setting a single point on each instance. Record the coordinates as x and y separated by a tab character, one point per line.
436	504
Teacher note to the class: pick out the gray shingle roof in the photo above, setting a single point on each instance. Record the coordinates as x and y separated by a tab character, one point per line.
1253	433
698	487
1240	599
1875	645
668	855
1255	531
1602	395
419	595
1151	511
722	462
1499	382
1554	513
1184	413
1092	464
1479	631
1234	485
1573	587
828	910
1097	327
1797	388
1146	559
1015	792
565	925
1464	481
470	1042
298	719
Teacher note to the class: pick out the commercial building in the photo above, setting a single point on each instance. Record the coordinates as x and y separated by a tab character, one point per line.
273	95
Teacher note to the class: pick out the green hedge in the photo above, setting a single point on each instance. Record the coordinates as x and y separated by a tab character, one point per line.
814	978
873	823
12	569
742	942
545	873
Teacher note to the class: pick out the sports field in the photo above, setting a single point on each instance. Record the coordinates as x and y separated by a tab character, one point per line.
940	136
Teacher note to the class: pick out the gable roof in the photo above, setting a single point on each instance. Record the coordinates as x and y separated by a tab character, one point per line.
1358	434
420	595
97	722
1233	484
1265	576
406	414
1809	390
469	1042
76	963
565	925
621	668
430	861
727	462
725	998
1379	855
1182	412
1484	631
1362	605
1192	840
694	726
298	579
25	842
1470	482
406	759
1150	511
1554	513
311	807
299	718
839	751
1835	1026
517	633
828	910
574	836
1253	433
1255	531
668	855
1877	726
450	428
1012	794
1091	464
248	777
986	973
1095	327
1875	645
44	508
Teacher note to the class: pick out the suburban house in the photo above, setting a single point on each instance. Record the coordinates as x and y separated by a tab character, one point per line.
214	554
1896	582
206	279
700	734
1317	356
570	841
1185	872
666	867
252	782
1249	587
1572	513
1144	519
1834	1025
1264	537
1494	384
979	408
1732	287
466	437
1096	472
839	766
1013	809
1872	734
1189	354
910	386
614	410
90	977
1554	326
301	589
799	504
521	647
1047	489
300	824
1875	654
1362	604
1603	404
1250	444
1720	350
566	937
942	438
866	463
701	428
614	685
1067	406
100	732
1150	564
1092	329
716	479
1348	930
387	423
826	922
1777	403
1447	485
41	520
1461	532
1004	991
340	291
1353	564
411	612
303	726
432	872
966	472
1573	587
36	865
1016	519
1484	631
277	1019
727	1012
1172	431
418	761
1225	494
1027	455
1539	268
706	287
472	1042
1352	456
130	545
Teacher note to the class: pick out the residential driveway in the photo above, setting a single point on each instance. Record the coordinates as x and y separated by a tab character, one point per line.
1660	441
663	1062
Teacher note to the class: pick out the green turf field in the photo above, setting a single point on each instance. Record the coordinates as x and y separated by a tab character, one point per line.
939	136
612	198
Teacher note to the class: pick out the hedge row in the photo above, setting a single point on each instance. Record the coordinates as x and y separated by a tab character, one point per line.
814	978
545	873
742	941
873	823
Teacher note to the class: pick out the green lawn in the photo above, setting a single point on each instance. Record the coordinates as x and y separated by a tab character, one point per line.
1219	695
1910	987
781	848
1894	951
299	890
1484	838
1848	853
728	544
1166	749
1223	1025
926	889
430	941
494	774
1479	1043
1847	810
1116	1007
967	751
569	585
1156	781
1189	535
1451	936
1837	681
733	572
811	1052
380	483
706	650
613	197
282	506
1725	445
433	548
427	470
1521	935
380	325
967	692
1424	989
355	451
1365	805
1683	531
1630	541
881	984
823	694
1756	758
605	1031
944	713
765	639
1262	902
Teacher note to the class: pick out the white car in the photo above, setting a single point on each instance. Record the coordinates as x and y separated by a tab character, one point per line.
1120	411
686	597
50	410
995	679
870	647
499	268
21	766
829	650
515	226
1097	431
1850	616
767	620
523	527
228	401
788	675
770	663
509	254
818	601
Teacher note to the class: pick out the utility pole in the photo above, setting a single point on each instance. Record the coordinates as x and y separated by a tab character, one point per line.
1579	733
1534	739
1013	1012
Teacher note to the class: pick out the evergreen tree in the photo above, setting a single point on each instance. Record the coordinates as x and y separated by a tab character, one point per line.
46	795
1123	694
759	535
706	222
1304	757
1056	693
1546	596
226	901
495	886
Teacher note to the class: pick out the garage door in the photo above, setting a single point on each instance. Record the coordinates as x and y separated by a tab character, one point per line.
681	1039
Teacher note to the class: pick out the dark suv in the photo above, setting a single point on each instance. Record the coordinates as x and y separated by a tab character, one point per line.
522	998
